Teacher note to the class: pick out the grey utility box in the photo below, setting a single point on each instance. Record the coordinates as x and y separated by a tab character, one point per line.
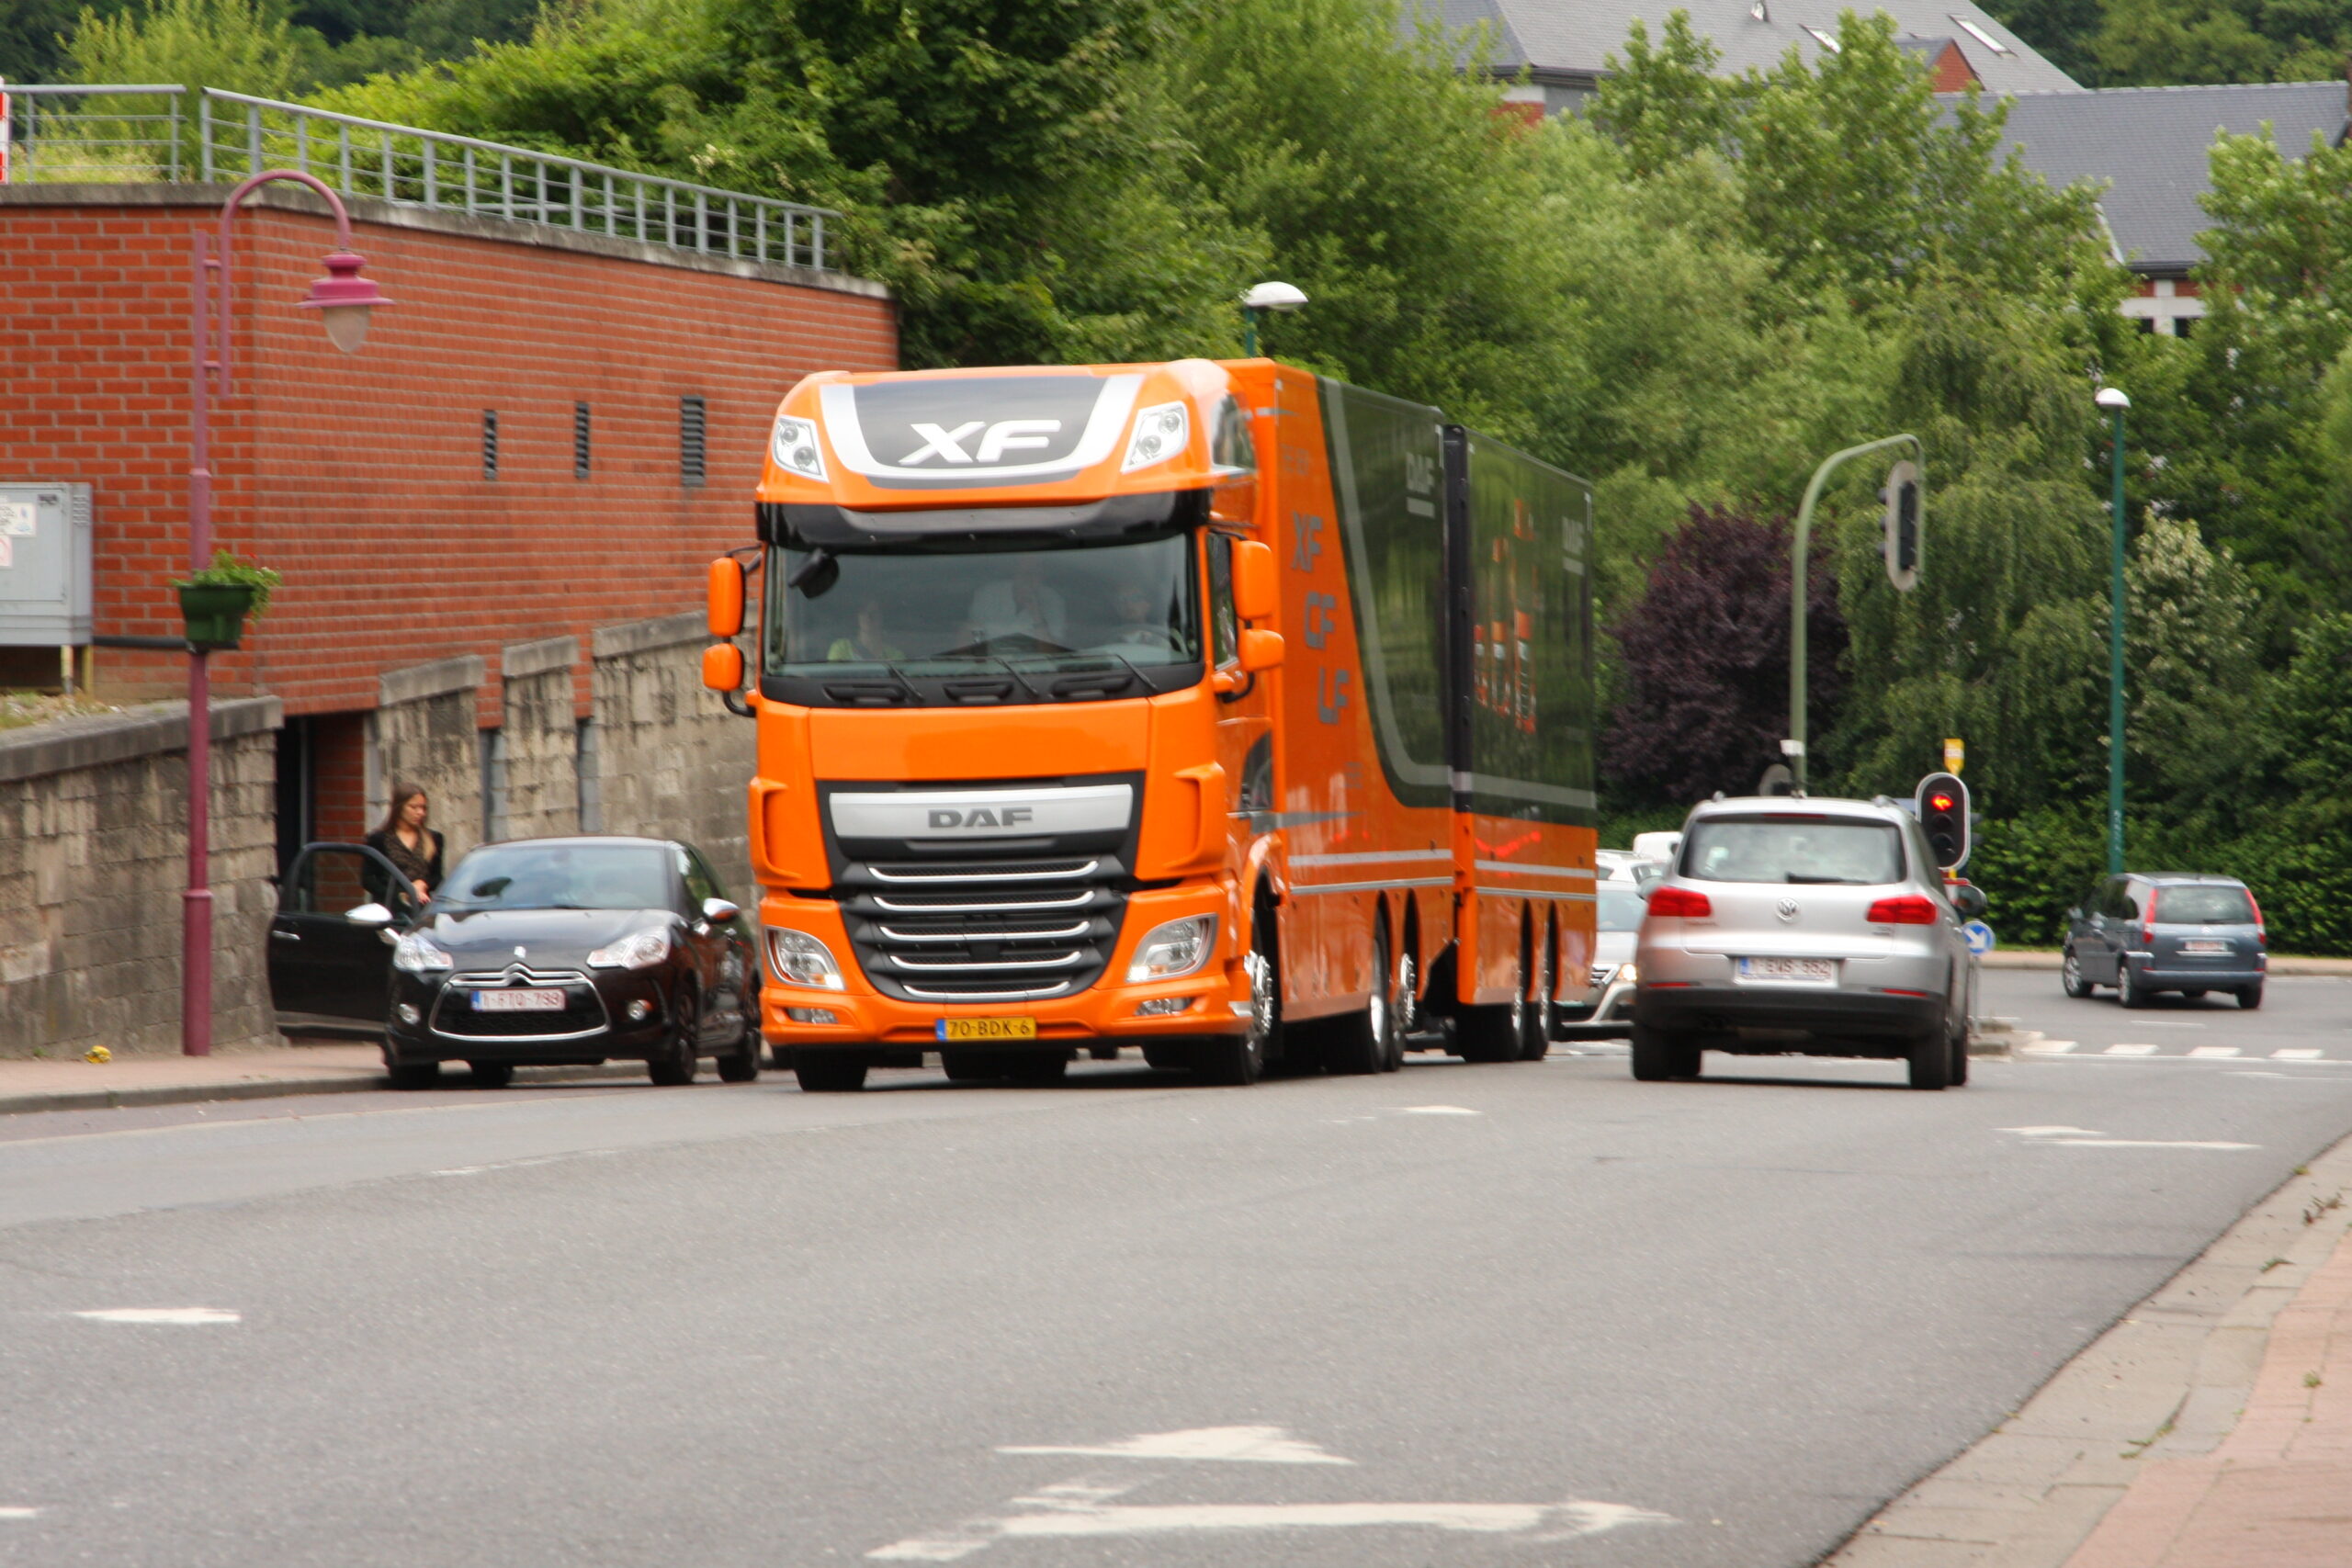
44	565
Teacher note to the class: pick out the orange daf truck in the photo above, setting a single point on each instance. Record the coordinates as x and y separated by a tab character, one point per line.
1217	709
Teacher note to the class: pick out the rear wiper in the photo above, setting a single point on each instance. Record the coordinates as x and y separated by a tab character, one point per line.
1799	876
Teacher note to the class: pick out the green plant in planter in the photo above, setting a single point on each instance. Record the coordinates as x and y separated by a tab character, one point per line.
216	601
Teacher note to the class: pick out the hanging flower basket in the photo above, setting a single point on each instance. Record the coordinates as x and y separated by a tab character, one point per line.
215	612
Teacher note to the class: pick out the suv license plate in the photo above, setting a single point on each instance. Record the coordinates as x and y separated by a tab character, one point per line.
988	1029
1789	971
518	1002
2194	946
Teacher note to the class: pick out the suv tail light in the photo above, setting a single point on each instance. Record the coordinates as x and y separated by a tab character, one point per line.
2255	903
1683	903
1910	910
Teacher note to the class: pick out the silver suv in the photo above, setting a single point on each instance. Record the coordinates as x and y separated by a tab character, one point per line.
1791	925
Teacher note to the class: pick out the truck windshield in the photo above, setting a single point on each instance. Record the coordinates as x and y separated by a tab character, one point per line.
970	624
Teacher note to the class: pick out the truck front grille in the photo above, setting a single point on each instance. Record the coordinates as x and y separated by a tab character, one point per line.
983	931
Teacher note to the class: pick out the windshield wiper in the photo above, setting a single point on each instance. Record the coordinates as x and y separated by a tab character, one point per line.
1799	876
1080	680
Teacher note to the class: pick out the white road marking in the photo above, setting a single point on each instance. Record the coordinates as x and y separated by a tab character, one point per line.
2214	1051
1255	1444
1542	1521
1438	1111
2053	1046
19	1513
2130	1050
2052	1132
977	1533
162	1315
2145	1143
2295	1054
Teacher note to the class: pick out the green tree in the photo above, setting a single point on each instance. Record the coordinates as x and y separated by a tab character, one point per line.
247	46
2198	699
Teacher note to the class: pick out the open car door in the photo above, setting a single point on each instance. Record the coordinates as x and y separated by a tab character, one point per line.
340	907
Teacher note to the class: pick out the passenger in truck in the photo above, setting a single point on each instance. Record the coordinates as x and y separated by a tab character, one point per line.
1138	630
1019	605
871	644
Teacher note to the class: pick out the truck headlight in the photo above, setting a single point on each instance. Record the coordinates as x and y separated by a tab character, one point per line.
1177	948
1161	431
796	449
638	950
415	953
799	959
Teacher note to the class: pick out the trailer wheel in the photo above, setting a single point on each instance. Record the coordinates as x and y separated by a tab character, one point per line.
1494	1033
1535	1023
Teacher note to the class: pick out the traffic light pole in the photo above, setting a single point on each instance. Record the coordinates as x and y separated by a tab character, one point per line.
2115	663
1800	575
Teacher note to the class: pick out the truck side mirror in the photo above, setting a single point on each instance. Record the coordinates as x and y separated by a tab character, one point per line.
1260	649
722	667
726	603
1257	594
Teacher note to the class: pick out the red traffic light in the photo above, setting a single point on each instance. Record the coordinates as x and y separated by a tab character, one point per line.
1941	802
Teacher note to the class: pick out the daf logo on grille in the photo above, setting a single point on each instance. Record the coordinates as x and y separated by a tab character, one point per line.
943	819
1787	910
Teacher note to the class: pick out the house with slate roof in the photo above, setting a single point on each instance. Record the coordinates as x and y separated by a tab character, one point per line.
2150	147
1564	46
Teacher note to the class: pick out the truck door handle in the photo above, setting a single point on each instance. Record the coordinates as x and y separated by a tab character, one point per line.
285	936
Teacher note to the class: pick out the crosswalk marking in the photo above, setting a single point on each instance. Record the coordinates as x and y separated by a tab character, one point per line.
2295	1054
2053	1046
2214	1051
2130	1050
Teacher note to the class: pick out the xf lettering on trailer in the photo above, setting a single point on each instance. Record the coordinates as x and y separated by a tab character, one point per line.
1309	530
982	816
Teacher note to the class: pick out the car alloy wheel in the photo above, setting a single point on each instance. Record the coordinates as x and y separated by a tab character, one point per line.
675	1062
2070	974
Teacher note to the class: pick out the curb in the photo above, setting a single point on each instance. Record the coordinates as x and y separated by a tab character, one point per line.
2169	1381
271	1088
2029	958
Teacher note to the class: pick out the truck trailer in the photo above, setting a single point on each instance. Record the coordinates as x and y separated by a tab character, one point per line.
1217	709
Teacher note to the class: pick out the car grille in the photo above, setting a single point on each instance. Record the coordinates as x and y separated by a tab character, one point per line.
583	1011
983	929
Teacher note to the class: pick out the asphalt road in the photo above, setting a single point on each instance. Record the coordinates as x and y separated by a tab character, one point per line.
1544	1314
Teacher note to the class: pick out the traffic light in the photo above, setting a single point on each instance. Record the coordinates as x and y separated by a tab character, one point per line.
1903	532
1943	817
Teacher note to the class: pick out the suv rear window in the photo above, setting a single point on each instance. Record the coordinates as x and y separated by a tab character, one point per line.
1793	849
2204	906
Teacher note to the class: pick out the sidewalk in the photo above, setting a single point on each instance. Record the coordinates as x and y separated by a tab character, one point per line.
71	1084
2211	1428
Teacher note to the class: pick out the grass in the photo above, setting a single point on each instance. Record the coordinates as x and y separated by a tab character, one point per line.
19	709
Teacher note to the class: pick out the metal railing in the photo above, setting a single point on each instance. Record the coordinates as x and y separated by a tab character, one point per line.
142	133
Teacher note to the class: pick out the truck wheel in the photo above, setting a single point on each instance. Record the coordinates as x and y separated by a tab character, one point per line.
1363	1043
1168	1058
1535	1018
1930	1059
1239	1059
828	1072
1660	1054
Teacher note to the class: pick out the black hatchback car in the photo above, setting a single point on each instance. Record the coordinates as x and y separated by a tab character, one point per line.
533	951
2154	931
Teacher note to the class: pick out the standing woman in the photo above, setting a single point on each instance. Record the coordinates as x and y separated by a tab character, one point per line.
404	840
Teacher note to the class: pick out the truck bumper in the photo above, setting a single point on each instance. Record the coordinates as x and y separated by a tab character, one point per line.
1214	999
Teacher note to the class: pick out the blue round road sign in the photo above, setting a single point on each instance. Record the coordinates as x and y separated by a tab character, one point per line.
1980	937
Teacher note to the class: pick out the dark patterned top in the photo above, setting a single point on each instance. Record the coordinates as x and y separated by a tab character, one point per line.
416	864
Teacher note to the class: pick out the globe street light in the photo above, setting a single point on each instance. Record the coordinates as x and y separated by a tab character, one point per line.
342	299
1260	299
2113	400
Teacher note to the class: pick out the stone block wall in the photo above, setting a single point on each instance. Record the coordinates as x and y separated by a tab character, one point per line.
422	732
93	860
539	740
673	762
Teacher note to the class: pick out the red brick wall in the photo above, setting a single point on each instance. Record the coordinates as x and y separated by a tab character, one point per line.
360	476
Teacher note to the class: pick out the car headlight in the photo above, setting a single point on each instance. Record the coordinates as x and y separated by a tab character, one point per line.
1630	975
1161	431
1176	948
415	953
638	950
799	959
796	448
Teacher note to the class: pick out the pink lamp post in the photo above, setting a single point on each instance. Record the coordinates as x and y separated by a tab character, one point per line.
342	299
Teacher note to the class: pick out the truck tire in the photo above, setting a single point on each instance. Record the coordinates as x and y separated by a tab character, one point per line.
828	1072
1236	1060
1171	1056
1494	1033
1535	1020
1037	1067
1364	1041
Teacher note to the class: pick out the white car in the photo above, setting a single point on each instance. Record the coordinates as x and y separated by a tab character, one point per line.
1617	922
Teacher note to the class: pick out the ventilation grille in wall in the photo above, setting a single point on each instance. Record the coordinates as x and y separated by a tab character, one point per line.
489	444
580	441
692	424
